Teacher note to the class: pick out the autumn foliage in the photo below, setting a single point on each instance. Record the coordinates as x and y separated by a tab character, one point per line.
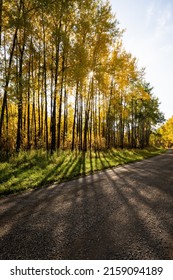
164	135
66	80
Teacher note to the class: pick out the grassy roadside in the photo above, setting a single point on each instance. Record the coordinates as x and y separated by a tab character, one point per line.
36	169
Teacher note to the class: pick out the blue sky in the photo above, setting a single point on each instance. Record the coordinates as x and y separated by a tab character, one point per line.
149	37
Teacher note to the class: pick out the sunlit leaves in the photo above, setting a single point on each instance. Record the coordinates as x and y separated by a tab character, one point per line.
166	133
67	63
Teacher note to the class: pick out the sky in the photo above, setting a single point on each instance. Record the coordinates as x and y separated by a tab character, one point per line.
149	37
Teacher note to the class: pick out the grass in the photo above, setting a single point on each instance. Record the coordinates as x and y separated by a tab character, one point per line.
35	169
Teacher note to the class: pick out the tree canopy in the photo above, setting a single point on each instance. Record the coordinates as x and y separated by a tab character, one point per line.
66	80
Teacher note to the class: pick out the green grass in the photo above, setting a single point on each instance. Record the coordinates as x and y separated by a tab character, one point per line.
35	169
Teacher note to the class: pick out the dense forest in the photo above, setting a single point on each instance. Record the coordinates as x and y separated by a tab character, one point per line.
66	81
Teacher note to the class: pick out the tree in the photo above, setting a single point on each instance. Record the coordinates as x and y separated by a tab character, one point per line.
165	133
66	80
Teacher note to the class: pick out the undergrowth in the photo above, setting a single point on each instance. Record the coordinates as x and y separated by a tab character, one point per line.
38	169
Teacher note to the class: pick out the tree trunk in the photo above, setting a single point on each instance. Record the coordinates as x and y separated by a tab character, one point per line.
7	81
54	115
74	118
1	5
45	86
65	131
19	123
28	111
60	103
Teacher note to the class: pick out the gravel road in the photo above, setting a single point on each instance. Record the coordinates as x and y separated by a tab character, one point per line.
120	213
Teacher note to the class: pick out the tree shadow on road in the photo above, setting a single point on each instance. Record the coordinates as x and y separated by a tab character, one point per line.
115	214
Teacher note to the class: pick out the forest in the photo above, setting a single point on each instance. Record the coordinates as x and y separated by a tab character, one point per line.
67	82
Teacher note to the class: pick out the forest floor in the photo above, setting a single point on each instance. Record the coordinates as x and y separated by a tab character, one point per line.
36	168
124	212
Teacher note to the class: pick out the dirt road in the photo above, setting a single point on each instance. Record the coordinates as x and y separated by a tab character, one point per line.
120	213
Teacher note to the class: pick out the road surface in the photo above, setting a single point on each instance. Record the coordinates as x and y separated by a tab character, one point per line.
120	213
